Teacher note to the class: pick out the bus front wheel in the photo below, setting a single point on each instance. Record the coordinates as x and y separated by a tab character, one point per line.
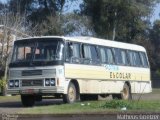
71	95
27	100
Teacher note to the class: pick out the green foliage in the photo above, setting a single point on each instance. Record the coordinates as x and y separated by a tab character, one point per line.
158	72
95	107
155	39
3	82
154	34
122	17
117	104
37	14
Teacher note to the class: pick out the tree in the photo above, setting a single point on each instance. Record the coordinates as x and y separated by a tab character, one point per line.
155	39
11	26
77	25
120	20
36	11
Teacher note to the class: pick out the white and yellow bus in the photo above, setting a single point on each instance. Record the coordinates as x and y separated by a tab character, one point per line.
77	68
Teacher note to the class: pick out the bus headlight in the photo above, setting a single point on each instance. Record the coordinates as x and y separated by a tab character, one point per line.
52	82
16	83
11	83
47	82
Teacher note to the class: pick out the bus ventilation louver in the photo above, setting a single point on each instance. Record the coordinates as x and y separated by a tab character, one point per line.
31	72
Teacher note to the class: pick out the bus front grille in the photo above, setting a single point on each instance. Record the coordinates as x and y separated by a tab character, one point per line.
31	72
32	83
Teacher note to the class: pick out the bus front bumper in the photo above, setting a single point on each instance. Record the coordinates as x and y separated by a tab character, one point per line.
36	90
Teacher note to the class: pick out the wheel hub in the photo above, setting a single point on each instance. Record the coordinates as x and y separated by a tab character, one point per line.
71	94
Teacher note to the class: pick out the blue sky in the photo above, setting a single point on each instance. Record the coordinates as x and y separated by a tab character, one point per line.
156	14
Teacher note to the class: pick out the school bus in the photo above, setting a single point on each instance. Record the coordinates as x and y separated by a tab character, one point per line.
77	68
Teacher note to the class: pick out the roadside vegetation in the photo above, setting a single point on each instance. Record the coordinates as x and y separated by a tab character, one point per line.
9	98
91	107
148	104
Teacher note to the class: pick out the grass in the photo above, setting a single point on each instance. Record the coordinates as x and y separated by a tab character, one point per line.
9	98
79	107
111	106
150	106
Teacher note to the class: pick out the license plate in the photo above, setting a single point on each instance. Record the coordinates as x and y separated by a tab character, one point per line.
27	91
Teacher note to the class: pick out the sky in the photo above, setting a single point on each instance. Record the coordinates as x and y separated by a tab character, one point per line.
156	14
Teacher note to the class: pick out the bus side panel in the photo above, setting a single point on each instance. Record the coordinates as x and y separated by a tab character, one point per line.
108	79
111	86
87	72
93	79
141	87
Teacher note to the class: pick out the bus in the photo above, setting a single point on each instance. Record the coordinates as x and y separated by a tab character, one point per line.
77	68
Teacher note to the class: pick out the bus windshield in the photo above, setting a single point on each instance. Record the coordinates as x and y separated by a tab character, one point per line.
34	51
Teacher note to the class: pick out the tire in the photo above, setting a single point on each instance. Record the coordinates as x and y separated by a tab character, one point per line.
28	100
125	94
38	98
71	95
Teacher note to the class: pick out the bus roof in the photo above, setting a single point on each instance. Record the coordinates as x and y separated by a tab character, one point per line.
96	41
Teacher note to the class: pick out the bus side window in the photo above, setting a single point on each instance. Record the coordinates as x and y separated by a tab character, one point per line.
76	53
121	56
103	55
90	54
73	52
131	58
110	58
144	59
69	52
124	57
137	59
86	54
118	57
94	55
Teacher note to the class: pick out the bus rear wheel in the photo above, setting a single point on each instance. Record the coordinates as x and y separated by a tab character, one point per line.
125	93
28	100
71	95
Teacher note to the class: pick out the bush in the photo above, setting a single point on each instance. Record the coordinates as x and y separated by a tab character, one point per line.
117	104
158	72
3	83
